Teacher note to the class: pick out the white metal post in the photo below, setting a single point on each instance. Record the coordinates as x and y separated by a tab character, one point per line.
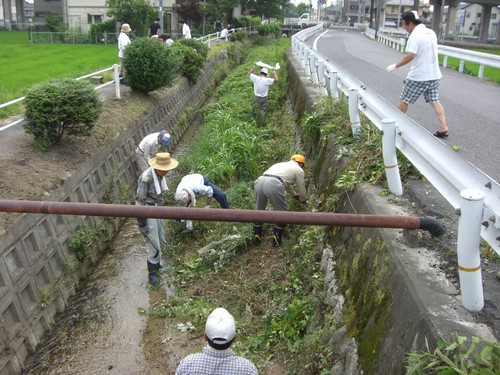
307	62
390	158
334	90
313	67
354	112
305	58
321	77
469	261
116	77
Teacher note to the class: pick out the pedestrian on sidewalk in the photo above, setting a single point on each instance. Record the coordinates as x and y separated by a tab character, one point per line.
149	146
424	76
217	357
150	189
272	186
193	185
261	85
123	41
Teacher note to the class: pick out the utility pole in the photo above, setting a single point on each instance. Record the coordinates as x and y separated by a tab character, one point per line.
161	16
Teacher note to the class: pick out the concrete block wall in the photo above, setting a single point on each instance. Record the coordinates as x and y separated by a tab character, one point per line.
38	270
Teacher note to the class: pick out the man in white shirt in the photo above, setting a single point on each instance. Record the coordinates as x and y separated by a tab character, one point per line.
424	76
186	31
149	147
261	85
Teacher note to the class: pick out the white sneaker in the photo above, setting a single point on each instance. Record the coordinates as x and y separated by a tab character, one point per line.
189	225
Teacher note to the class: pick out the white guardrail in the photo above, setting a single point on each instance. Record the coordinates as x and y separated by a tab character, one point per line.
397	40
458	181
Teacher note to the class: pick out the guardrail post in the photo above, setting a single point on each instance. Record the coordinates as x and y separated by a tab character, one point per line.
390	157
334	89
481	71
354	112
313	67
402	42
304	62
469	236
461	67
307	62
322	78
445	61
116	77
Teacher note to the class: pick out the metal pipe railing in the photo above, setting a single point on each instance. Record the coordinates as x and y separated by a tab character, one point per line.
430	224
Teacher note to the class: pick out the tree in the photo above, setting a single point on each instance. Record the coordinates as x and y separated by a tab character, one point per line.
137	13
60	107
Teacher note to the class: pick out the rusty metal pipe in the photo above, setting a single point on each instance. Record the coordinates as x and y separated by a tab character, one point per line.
217	214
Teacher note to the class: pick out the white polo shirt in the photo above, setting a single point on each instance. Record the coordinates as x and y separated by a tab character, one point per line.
261	85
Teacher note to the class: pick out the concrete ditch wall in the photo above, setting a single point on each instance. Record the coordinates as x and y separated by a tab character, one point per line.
390	296
38	270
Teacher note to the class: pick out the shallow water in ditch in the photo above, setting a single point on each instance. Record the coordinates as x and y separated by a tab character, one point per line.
105	328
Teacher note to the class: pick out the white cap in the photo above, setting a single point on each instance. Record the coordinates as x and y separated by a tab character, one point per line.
264	70
220	327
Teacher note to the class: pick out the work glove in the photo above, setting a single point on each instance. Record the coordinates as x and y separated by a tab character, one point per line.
189	225
390	68
273	69
207	206
143	226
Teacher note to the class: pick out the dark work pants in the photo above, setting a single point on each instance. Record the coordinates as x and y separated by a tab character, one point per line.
219	195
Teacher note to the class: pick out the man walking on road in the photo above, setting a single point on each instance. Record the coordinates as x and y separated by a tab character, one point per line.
150	189
272	186
424	76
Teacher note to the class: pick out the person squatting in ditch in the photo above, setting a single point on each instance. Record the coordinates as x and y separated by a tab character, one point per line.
272	186
150	189
195	184
149	146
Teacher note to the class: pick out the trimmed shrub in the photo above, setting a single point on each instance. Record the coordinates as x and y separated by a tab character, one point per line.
149	64
191	62
60	107
197	45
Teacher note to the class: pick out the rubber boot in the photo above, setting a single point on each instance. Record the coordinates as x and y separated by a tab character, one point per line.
152	276
257	234
278	236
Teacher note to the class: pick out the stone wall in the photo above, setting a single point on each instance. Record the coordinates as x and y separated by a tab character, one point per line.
38	270
391	296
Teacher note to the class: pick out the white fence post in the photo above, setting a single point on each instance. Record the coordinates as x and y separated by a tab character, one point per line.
469	261
116	77
354	112
307	62
334	90
390	157
321	77
313	68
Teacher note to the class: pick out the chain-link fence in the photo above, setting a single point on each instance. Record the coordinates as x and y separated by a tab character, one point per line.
38	37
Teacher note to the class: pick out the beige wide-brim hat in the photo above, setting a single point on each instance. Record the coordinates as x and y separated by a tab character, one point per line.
163	162
126	28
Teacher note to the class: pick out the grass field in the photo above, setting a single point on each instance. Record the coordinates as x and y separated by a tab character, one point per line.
23	64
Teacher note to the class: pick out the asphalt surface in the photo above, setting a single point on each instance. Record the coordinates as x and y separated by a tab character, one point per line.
472	106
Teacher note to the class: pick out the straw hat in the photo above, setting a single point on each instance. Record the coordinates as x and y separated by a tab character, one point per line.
163	162
126	28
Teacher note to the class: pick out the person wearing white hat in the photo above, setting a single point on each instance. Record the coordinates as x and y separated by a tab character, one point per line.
261	85
150	189
217	357
195	184
123	41
149	146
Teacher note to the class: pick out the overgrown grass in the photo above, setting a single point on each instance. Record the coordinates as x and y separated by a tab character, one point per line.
23	64
490	73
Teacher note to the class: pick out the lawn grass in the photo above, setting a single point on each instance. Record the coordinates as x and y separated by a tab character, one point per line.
23	65
490	73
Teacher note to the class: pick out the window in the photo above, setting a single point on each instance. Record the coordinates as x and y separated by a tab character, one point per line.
479	15
493	16
94	18
467	15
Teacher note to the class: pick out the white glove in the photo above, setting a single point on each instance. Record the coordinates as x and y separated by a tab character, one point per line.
390	68
189	225
207	206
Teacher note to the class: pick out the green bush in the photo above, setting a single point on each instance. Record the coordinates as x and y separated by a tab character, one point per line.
149	64
197	45
60	107
99	32
191	62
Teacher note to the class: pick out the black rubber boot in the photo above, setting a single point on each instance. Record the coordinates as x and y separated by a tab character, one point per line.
278	236
152	276
257	234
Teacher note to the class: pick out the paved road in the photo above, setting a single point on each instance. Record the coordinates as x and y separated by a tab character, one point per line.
472	106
